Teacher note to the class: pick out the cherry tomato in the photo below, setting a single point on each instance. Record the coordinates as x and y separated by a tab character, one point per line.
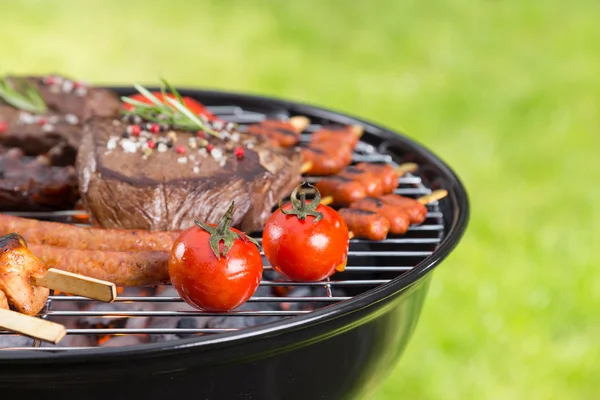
306	241
193	105
215	268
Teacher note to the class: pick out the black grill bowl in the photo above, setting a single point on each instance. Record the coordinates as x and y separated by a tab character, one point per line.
342	351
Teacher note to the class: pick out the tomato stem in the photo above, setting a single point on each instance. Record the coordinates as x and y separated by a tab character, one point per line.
224	232
300	207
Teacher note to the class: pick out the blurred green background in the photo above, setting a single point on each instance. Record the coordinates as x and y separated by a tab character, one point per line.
507	92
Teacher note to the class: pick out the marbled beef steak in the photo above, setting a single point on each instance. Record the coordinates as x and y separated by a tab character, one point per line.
57	132
165	180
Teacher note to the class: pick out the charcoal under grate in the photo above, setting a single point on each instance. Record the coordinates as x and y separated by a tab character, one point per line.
158	314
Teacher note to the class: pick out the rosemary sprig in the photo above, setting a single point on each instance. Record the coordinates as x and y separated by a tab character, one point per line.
22	95
174	112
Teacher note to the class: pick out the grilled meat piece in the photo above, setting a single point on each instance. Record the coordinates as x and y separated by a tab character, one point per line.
398	218
415	210
327	158
385	172
32	184
57	132
281	133
349	134
178	180
17	265
365	224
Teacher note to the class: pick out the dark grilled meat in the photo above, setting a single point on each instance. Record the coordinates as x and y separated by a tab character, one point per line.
32	184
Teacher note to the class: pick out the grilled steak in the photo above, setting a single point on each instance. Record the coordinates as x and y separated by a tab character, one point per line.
58	132
165	180
32	184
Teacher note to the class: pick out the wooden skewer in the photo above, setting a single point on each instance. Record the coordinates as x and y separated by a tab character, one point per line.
433	196
358	130
401	170
32	327
305	167
76	284
299	122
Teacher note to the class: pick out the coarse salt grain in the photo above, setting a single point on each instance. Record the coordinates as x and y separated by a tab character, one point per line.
72	119
67	86
196	170
222	162
235	137
182	160
53	119
162	147
216	153
26	118
203	152
47	127
112	144
128	146
81	91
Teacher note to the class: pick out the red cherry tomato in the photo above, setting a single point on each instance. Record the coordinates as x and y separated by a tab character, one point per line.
193	105
303	246
212	283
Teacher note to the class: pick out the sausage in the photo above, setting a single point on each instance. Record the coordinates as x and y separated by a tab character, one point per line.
386	173
17	265
365	224
370	181
76	237
398	218
280	133
123	268
328	158
415	210
342	190
349	134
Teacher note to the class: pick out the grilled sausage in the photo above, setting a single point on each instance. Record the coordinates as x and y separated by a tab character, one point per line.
365	224
75	237
123	268
386	173
17	265
342	190
280	133
370	181
415	210
398	218
328	158
349	134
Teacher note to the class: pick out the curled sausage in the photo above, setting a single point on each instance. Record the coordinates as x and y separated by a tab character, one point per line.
349	134
280	133
415	210
327	158
386	173
66	235
398	218
365	224
17	265
342	190
123	268
370	181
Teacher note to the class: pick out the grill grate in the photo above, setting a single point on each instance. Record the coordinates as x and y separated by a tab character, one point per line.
369	264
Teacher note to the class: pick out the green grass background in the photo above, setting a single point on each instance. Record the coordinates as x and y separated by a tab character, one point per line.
506	91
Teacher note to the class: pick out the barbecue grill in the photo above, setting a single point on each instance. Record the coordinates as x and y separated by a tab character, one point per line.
295	340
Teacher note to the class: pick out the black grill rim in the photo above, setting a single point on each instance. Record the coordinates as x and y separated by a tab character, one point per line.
457	194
